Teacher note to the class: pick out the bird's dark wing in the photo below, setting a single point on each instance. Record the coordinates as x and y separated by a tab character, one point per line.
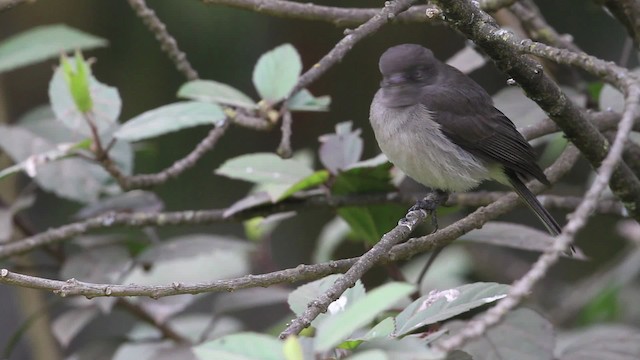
466	116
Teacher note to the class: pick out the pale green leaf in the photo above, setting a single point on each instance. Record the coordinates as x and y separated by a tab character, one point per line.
277	72
293	349
522	335
242	346
104	113
305	101
605	341
215	92
442	305
303	295
43	42
170	118
338	327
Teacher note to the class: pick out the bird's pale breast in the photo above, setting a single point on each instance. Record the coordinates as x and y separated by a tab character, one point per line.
413	142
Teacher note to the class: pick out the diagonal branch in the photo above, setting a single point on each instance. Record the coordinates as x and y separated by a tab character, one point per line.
504	49
168	43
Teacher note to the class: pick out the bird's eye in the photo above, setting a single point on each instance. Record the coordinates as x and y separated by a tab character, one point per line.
417	74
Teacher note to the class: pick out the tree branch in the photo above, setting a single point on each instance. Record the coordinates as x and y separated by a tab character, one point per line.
505	49
168	43
293	275
336	15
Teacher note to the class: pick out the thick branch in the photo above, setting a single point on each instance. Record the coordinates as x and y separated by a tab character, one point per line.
502	46
336	15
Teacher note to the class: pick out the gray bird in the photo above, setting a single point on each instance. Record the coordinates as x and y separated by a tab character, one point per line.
440	128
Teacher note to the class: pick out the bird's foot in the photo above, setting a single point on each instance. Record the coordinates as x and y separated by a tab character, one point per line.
428	206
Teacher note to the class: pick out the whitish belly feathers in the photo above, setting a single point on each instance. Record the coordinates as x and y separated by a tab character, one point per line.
414	143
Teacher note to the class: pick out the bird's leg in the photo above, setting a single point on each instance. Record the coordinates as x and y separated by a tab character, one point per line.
429	204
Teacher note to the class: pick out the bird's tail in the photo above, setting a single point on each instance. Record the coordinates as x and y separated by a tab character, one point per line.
532	202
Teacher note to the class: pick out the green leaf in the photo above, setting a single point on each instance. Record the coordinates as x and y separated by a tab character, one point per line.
373	221
242	346
341	150
303	295
277	72
278	177
442	305
105	108
305	101
605	307
198	257
293	349
317	178
71	178
77	78
409	348
215	92
370	223
522	335
340	326
169	118
42	43
512	235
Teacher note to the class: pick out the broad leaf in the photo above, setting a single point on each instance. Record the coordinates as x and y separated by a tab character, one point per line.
277	72
332	235
43	42
303	295
305	101
522	335
341	150
279	177
170	118
293	349
409	348
67	325
74	179
373	221
215	92
610	342
369	355
105	109
442	305
242	346
513	236
165	350
337	328
191	258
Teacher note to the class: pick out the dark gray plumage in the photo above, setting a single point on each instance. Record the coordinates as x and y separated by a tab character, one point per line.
440	127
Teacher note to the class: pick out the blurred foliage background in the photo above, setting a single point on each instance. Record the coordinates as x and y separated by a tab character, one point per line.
223	44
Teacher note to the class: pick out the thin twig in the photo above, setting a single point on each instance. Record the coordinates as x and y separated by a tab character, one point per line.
167	42
337	53
284	149
166	330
